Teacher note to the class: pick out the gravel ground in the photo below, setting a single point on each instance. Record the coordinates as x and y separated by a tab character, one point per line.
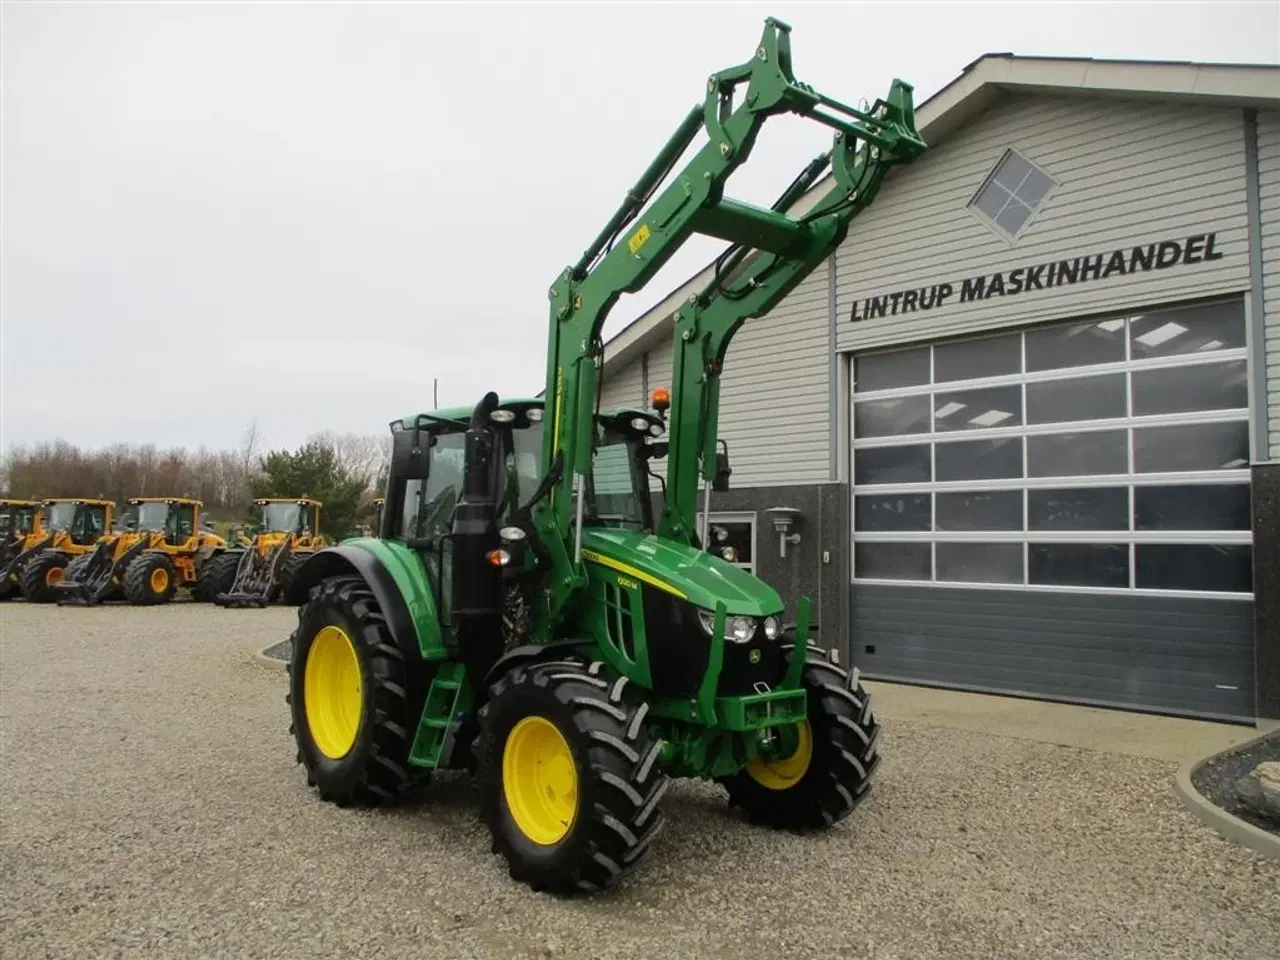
1216	781
152	808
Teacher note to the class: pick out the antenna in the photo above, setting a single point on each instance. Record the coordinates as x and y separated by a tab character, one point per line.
435	393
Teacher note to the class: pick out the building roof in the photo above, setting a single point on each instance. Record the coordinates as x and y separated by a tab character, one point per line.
981	84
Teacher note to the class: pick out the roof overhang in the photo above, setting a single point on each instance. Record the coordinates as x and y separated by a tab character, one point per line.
983	83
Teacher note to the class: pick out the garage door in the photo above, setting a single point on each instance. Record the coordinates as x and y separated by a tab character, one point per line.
1061	512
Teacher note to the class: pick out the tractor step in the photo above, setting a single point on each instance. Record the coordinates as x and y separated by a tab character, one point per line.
448	695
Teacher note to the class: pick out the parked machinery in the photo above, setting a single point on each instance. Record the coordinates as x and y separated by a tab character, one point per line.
257	575
162	546
65	528
19	523
635	654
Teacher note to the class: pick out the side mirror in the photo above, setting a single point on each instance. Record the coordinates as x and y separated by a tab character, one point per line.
721	481
656	451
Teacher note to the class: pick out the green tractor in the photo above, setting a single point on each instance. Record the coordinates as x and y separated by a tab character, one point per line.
528	613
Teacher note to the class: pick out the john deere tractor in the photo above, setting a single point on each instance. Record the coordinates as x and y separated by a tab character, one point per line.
526	614
64	529
254	576
162	546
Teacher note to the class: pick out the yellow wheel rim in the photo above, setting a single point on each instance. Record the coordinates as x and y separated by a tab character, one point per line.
540	780
159	580
332	692
54	575
782	773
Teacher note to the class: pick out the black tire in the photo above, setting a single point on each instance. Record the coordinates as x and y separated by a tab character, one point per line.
375	770
150	579
288	571
216	576
843	762
76	568
617	787
40	574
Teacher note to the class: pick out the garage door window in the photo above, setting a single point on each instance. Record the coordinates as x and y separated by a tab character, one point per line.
1098	455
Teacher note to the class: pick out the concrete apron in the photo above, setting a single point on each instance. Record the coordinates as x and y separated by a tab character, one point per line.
1172	739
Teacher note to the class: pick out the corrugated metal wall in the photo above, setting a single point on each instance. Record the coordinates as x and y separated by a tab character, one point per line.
1269	203
1128	173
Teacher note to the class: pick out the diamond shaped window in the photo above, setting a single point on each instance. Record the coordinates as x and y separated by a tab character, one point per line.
1012	194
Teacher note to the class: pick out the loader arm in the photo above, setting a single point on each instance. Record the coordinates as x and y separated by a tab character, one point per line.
783	251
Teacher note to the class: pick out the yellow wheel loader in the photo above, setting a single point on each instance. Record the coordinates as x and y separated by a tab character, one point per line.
63	530
260	574
19	520
163	547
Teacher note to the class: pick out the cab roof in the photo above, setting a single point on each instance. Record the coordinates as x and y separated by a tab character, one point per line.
87	501
11	501
137	500
260	501
462	415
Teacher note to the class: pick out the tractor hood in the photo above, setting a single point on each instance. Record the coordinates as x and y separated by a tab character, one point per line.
698	576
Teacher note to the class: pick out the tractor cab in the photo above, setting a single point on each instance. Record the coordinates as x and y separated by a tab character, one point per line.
289	517
82	521
177	518
18	518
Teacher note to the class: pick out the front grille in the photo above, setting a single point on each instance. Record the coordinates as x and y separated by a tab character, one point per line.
679	651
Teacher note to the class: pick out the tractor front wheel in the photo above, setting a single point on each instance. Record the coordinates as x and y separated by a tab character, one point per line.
355	697
569	777
830	761
150	579
42	573
217	575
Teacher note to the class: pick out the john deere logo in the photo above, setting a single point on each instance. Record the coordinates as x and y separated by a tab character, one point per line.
754	656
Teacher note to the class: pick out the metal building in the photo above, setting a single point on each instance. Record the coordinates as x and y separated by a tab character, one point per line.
1029	414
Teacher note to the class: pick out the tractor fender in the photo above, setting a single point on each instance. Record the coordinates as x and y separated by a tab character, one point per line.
523	656
334	561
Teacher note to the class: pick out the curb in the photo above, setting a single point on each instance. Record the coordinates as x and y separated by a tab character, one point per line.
1229	826
261	656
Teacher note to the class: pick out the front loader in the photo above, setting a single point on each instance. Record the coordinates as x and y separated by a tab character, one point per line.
162	547
524	614
65	529
257	575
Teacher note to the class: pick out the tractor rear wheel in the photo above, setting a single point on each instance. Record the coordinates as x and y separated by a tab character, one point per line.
832	764
41	574
569	777
217	575
150	580
355	697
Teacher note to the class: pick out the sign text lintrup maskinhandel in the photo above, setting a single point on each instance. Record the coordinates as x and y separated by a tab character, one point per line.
1041	276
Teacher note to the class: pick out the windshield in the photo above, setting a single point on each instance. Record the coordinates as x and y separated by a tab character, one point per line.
283	517
524	467
16	520
152	516
618	489
60	516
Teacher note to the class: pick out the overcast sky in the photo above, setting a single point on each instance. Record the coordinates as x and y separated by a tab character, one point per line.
303	213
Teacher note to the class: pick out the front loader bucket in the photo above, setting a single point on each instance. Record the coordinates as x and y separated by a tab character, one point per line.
255	578
95	583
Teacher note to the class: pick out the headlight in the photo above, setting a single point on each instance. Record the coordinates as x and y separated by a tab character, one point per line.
534	414
502	416
771	627
640	423
655	429
511	534
736	629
